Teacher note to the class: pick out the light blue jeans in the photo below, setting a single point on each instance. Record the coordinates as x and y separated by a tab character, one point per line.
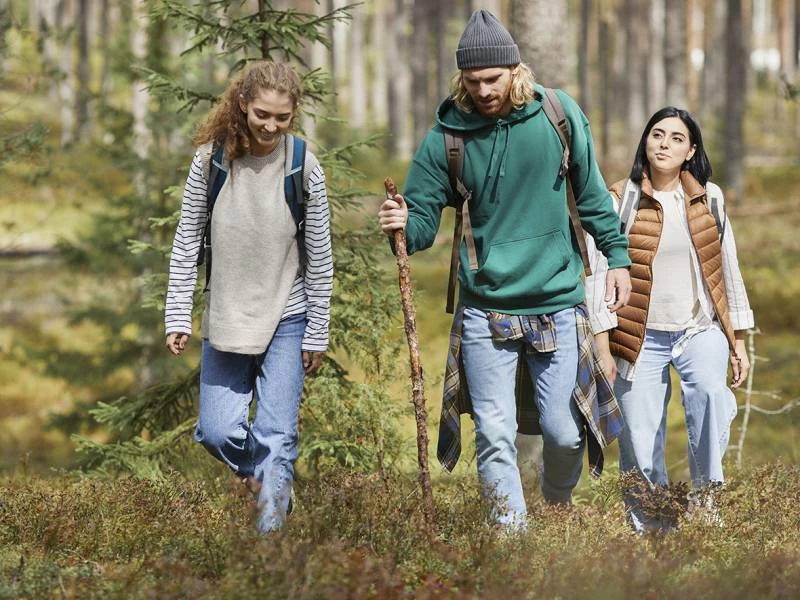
490	369
708	403
266	448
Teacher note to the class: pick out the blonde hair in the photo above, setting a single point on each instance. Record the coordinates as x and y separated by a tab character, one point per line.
227	123
522	83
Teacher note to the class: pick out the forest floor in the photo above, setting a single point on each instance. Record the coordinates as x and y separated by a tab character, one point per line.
361	536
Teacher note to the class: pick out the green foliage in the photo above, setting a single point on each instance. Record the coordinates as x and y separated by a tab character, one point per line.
21	144
243	36
361	536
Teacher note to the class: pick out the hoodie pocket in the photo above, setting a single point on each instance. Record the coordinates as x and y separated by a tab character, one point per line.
530	266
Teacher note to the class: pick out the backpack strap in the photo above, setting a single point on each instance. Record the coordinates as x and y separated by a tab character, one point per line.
720	216
454	148
217	173
629	204
293	188
555	114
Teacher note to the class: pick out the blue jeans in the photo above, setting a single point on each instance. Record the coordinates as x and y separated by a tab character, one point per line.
490	369
708	403
266	448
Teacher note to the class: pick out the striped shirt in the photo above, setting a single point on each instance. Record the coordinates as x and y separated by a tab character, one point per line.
311	290
739	310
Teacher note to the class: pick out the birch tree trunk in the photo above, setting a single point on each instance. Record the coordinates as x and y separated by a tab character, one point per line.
83	124
140	97
539	27
379	79
339	63
736	52
358	77
64	25
676	70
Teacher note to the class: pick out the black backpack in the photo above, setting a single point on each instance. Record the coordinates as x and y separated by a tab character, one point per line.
454	147
292	187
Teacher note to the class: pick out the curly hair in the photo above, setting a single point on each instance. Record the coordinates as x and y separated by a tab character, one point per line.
521	89
227	123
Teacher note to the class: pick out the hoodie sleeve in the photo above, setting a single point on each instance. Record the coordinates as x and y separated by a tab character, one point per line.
426	192
591	196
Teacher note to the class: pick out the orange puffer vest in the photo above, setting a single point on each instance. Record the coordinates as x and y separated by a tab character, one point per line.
627	338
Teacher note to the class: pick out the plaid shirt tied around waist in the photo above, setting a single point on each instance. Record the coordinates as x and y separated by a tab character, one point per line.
593	394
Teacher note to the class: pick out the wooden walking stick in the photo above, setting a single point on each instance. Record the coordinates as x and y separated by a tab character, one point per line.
417	385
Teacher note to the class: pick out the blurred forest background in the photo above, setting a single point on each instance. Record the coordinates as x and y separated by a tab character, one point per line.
98	101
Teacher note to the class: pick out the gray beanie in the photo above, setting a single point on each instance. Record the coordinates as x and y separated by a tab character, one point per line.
486	43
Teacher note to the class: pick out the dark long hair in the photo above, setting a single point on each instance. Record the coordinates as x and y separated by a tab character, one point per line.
699	165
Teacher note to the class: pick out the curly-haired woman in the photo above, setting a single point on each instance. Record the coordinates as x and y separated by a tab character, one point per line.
267	302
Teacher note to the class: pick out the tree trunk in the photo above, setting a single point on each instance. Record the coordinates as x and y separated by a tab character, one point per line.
694	39
656	89
358	77
140	97
379	76
675	57
786	37
64	24
48	33
421	104
493	6
605	53
83	124
584	85
712	95
105	50
400	141
736	52
445	57
339	66
539	27
635	19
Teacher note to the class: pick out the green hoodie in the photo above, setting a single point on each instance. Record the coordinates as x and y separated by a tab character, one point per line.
528	260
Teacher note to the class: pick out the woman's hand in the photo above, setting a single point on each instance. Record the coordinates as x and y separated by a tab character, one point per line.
740	363
393	214
312	361
176	342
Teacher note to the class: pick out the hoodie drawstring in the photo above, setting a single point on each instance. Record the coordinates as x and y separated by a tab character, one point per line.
500	128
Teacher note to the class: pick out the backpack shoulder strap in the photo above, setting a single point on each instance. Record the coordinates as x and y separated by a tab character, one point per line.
293	188
462	229
554	110
717	208
217	174
454	148
555	114
629	204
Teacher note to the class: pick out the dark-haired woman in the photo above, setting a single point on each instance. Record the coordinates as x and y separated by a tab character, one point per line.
688	308
266	315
